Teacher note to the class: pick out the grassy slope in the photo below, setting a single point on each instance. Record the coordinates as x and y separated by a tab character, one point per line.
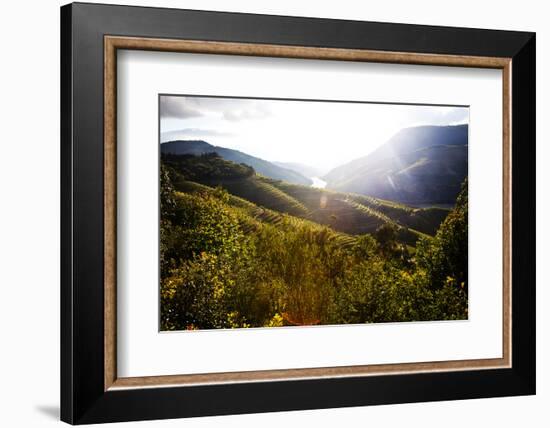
425	220
364	214
252	215
258	192
342	213
264	167
267	200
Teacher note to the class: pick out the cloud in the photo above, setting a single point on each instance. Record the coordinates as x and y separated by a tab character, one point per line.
192	133
457	115
178	107
252	111
435	115
231	109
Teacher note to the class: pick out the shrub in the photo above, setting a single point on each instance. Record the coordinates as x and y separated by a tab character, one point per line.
222	266
446	255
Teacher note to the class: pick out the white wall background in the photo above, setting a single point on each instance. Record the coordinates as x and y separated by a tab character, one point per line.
29	214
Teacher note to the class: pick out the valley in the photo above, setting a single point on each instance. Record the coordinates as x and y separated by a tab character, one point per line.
250	243
348	213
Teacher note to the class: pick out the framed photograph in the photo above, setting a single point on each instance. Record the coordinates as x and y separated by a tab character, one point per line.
266	213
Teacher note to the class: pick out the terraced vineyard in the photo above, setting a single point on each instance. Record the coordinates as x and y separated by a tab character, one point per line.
251	214
266	200
263	193
357	214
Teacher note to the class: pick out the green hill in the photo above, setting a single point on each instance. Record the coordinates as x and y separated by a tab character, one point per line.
238	179
269	169
264	198
251	215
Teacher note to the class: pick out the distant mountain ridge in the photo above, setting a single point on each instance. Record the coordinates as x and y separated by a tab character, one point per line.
268	169
305	170
419	165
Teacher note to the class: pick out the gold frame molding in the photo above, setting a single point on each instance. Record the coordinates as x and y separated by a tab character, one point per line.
113	43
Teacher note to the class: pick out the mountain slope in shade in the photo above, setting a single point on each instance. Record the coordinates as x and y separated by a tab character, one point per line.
421	165
198	147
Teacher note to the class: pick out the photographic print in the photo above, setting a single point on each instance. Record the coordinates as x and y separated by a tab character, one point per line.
280	213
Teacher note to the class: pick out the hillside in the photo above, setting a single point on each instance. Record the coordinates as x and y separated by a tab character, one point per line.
252	215
358	214
239	250
198	147
421	165
238	179
346	213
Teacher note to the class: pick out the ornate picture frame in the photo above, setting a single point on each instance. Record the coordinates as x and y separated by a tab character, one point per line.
92	391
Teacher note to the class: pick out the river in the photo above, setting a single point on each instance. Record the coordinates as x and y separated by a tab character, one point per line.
317	182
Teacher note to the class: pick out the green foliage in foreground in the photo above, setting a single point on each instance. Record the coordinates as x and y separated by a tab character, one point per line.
223	266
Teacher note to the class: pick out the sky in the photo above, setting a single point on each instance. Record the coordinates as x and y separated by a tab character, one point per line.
322	134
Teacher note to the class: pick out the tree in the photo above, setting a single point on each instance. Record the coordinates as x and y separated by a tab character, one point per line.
365	247
167	211
205	248
388	243
445	257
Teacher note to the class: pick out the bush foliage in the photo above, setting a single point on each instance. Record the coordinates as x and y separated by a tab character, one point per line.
222	267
